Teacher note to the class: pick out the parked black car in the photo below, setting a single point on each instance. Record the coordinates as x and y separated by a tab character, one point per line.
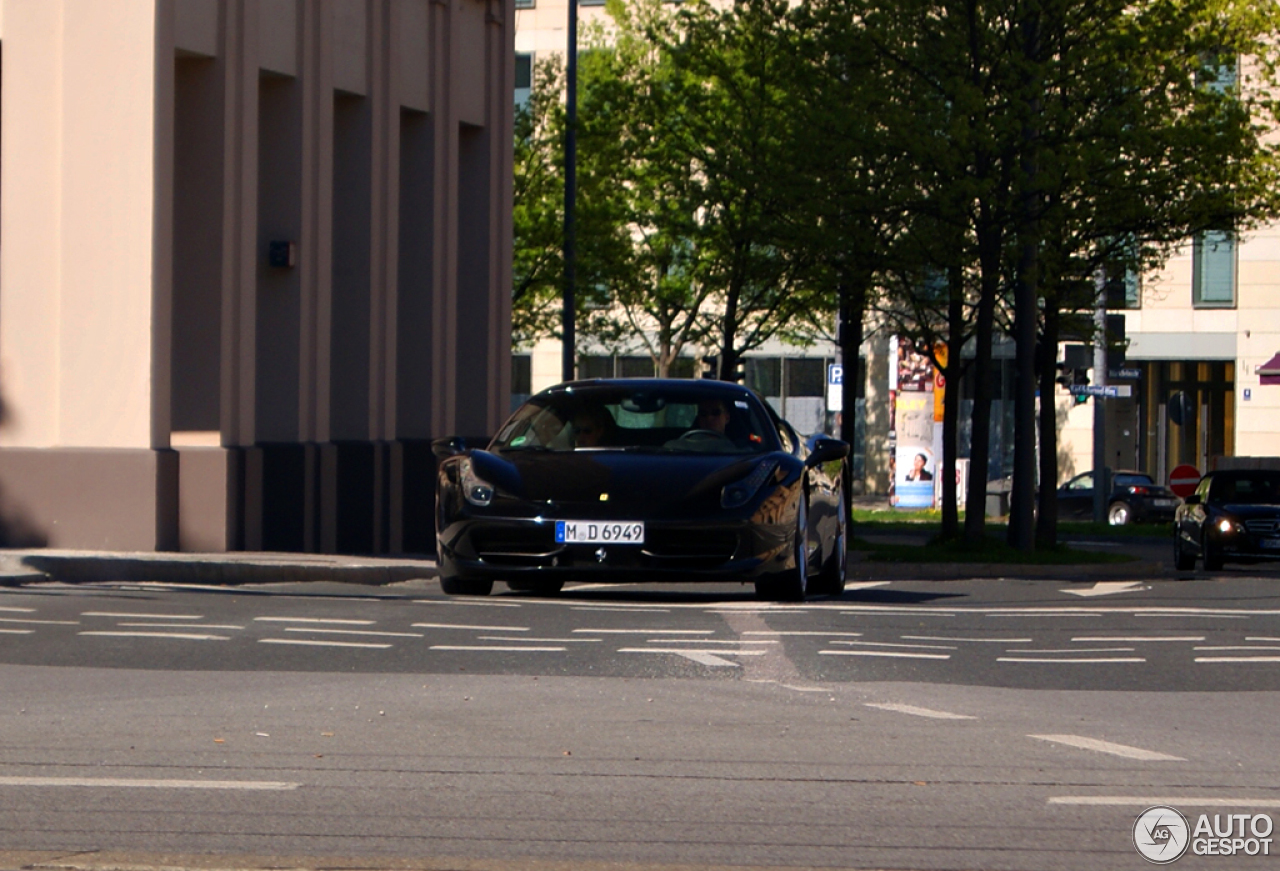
1135	498
1234	516
654	479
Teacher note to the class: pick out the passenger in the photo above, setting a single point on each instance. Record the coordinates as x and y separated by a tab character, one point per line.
593	427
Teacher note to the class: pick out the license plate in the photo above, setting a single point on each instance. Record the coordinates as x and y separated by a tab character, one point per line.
1163	503
1270	544
599	532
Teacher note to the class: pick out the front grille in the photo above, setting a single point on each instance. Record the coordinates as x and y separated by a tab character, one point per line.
1263	526
713	545
506	541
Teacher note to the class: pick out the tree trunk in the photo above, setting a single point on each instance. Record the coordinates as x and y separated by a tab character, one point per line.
975	518
951	407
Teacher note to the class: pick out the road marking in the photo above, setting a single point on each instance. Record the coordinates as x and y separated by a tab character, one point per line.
1238	659
141	616
27	622
1060	660
889	653
866	585
1201	616
353	632
682	651
806	632
712	641
1082	743
1077	650
316	643
979	640
711	658
177	625
1151	801
19	610
918	712
892	644
1108	588
1126	639
496	649
129	783
526	640
16	631
1259	638
316	620
186	636
1065	612
772	611
615	609
469	627
468	602
650	631
1234	647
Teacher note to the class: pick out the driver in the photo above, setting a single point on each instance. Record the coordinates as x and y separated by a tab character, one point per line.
713	414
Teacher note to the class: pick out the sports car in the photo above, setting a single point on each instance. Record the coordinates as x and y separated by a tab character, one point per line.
654	479
1234	516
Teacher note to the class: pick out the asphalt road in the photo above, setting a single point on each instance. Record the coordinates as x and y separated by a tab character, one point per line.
904	725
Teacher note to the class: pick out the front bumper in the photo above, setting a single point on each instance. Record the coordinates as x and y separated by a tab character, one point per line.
510	548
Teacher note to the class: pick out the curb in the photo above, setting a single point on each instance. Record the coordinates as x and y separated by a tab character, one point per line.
88	567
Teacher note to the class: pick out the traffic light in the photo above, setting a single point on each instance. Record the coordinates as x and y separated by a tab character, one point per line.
1065	377
1080	378
707	367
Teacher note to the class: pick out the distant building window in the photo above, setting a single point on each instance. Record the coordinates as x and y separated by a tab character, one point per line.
635	367
806	376
1124	290
524	77
524	4
521	379
1213	270
683	367
590	2
595	366
764	375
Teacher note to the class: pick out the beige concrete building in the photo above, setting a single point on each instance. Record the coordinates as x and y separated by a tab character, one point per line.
254	254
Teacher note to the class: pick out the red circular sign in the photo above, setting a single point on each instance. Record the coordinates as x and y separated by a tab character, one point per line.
1183	480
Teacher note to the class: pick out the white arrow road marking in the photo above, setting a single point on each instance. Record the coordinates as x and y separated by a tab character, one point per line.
918	712
126	783
713	658
1124	750
1108	588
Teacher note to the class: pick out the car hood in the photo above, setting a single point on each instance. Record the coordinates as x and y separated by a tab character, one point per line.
640	481
1246	511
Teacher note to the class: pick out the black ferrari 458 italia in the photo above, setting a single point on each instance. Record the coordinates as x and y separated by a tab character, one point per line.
643	479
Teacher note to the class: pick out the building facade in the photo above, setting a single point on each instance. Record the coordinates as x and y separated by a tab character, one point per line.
254	255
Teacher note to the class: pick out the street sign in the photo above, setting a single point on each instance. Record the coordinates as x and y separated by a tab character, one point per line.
1128	374
835	388
1183	480
1109	391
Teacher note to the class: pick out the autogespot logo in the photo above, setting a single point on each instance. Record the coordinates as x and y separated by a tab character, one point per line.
1161	835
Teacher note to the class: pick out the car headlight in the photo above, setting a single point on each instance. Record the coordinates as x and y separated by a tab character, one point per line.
475	489
740	492
1226	527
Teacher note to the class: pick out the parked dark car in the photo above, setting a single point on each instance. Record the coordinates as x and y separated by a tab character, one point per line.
1135	498
1234	516
654	479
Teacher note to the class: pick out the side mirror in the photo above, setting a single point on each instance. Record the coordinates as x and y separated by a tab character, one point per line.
448	447
1193	499
826	450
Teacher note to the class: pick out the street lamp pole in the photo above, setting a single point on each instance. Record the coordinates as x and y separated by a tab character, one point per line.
570	197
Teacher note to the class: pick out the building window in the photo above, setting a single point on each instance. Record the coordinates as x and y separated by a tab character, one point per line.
524	4
764	375
524	77
521	379
1213	270
806	376
635	367
1124	290
595	366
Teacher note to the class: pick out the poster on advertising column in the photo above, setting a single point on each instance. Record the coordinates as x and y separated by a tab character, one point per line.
914	449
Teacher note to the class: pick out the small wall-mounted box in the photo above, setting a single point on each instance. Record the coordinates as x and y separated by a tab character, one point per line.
282	255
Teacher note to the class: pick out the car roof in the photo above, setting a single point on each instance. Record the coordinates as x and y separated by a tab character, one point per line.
710	385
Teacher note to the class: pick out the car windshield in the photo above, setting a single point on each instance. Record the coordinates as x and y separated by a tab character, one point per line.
1256	488
670	418
1124	479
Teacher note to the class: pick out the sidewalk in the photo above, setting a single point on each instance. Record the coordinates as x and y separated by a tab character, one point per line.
220	569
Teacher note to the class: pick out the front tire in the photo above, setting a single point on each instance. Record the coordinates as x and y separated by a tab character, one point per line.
791	585
1119	514
830	581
